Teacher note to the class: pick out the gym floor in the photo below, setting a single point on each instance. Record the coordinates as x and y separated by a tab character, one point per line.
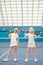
21	57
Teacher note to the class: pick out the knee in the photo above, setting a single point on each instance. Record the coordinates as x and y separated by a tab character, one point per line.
9	51
33	50
28	50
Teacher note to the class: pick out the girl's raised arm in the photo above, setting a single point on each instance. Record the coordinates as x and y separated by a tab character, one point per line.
26	34
10	35
37	36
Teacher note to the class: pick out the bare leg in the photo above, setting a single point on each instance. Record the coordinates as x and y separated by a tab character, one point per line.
9	52
34	52
15	51
28	51
35	58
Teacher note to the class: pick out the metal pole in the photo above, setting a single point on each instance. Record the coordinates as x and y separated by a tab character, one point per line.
32	11
16	11
2	13
11	13
38	11
22	10
6	11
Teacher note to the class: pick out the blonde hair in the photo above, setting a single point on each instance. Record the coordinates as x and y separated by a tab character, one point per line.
32	30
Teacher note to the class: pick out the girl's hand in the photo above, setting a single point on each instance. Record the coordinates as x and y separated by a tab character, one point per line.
9	36
25	35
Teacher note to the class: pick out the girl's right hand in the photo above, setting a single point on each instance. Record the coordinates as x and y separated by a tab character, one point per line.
25	35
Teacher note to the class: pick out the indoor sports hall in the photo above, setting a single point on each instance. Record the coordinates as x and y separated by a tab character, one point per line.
22	15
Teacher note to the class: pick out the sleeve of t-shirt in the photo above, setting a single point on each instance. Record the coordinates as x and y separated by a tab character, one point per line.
17	35
17	38
35	36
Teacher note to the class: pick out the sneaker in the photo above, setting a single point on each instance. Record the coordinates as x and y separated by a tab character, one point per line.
15	59
26	60
5	60
35	60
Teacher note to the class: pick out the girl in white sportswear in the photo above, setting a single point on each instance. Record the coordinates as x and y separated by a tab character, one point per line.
31	44
13	44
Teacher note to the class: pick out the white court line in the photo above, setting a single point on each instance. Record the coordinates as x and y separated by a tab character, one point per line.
3	54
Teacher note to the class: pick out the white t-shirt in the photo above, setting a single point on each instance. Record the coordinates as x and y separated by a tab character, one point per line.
31	42
14	39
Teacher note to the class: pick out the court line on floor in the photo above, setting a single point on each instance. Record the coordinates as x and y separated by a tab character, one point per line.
3	54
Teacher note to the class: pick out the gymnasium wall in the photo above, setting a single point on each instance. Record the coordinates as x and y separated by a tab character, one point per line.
4	33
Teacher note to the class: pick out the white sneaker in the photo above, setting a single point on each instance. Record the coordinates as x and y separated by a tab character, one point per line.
15	59
35	60
26	60
5	60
